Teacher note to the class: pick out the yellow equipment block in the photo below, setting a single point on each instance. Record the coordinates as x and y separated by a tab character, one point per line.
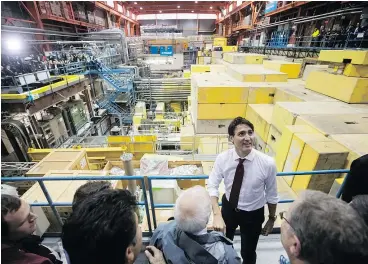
273	139
229	48
319	156
221	111
269	151
295	93
345	56
285	142
258	143
296	150
227	91
285	113
261	95
243	58
212	145
347	89
187	138
186	74
255	73
200	68
292	69
220	42
357	144
260	115
212	126
336	124
352	70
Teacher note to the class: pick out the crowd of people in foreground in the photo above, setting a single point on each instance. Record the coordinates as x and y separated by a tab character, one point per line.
104	228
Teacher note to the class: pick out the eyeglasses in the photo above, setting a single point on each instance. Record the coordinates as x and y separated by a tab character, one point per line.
282	217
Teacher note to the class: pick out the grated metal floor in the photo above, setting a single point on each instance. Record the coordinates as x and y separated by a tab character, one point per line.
268	251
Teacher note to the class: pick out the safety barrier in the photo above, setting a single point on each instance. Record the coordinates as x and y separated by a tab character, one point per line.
53	205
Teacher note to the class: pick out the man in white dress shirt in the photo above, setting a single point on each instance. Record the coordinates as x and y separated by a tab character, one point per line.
250	182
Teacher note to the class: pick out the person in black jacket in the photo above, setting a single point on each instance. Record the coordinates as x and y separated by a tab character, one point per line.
356	182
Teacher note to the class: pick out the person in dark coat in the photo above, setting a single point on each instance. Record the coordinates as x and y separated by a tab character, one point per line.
18	244
356	182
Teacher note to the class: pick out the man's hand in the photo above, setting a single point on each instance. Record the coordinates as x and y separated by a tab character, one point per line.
268	227
156	258
218	223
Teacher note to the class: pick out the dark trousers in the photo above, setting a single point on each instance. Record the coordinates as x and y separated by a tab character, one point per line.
250	228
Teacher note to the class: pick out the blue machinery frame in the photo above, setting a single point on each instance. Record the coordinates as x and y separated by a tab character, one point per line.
53	205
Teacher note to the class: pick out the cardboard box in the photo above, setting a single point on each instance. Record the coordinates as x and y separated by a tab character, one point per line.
346	89
285	113
319	155
292	69
260	116
345	56
60	191
60	160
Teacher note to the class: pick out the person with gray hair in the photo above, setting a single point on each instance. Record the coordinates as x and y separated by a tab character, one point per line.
186	239
319	228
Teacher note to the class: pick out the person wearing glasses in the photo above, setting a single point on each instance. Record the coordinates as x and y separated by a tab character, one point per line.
18	244
250	182
319	228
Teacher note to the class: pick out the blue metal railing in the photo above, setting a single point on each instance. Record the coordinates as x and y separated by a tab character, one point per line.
53	205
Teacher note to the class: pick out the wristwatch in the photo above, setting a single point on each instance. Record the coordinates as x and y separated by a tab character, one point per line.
272	217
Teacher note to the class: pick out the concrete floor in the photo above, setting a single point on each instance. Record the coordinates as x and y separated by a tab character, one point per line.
268	251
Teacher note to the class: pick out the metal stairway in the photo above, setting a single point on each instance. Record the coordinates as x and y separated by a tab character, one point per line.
120	83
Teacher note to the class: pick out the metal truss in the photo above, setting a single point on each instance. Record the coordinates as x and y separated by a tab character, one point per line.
291	52
9	169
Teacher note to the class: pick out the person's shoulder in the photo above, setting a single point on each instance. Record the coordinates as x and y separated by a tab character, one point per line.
264	157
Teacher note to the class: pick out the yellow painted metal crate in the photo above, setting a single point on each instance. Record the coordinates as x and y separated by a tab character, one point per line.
346	89
345	56
292	69
255	73
285	113
260	115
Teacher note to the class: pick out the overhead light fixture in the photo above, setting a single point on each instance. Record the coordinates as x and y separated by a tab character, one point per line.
160	11
210	7
178	6
192	11
196	2
135	3
141	8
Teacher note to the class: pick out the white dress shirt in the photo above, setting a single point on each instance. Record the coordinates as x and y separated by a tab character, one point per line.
259	183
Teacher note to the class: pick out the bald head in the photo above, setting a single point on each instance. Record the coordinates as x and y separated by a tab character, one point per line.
193	210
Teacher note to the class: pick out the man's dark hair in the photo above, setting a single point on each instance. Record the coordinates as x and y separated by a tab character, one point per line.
360	204
101	228
9	204
88	189
238	121
330	231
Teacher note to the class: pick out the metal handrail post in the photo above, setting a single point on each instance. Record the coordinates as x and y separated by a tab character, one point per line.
342	187
152	203
146	206
49	200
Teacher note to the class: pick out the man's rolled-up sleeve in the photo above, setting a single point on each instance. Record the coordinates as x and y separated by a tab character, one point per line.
271	184
215	178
